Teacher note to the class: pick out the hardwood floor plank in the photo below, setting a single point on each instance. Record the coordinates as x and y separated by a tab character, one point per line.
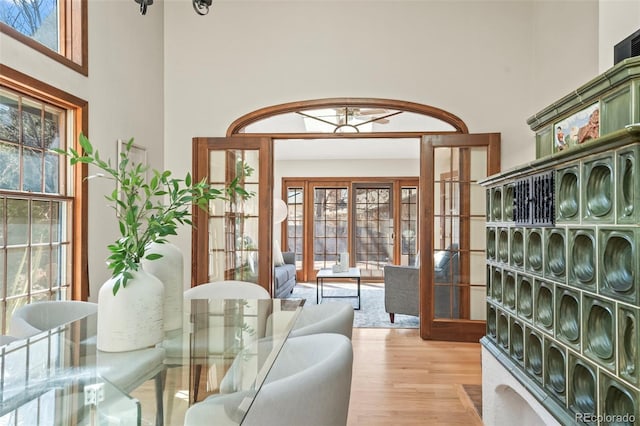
401	379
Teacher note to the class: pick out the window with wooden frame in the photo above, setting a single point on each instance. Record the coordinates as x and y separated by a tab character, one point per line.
375	220
42	202
55	28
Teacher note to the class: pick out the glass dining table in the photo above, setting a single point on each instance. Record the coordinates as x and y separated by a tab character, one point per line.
58	377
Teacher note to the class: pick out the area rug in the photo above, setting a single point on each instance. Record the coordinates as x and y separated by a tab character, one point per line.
371	313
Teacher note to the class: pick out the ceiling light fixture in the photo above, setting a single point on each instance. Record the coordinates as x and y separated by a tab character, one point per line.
200	6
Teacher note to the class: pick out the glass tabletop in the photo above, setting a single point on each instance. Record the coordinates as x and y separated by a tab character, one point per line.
223	346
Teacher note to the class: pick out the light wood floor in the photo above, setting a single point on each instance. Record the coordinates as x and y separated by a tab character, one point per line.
400	379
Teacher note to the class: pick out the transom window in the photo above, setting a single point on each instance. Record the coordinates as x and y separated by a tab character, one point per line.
56	28
345	116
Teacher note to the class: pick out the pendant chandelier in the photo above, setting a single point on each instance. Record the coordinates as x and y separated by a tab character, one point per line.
200	6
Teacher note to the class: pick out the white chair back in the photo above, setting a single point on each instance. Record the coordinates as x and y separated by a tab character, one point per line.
309	384
5	340
227	290
331	317
31	319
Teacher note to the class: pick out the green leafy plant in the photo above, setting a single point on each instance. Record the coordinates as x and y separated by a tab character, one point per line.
149	209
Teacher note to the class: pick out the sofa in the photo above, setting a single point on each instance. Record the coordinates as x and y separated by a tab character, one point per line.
284	276
401	286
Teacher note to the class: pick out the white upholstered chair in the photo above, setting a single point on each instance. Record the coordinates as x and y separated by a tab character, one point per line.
31	319
217	290
227	290
5	340
309	384
331	317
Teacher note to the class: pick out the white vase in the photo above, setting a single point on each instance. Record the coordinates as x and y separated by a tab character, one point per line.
168	269
132	319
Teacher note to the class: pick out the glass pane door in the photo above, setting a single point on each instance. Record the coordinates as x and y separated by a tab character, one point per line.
233	223
228	241
408	225
330	225
295	223
374	234
452	297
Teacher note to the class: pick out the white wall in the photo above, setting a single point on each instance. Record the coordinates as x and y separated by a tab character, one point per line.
472	58
124	90
617	20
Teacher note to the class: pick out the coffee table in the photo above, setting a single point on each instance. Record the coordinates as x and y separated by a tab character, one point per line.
328	274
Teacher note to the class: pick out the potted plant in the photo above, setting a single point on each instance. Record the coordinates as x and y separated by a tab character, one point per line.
149	206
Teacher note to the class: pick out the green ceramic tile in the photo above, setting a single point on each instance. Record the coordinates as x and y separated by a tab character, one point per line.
543	306
619	402
582	264
628	339
582	386
534	354
509	291
524	297
567	307
555	370
491	243
533	251
507	202
516	342
618	263
568	194
598	190
496	284
598	331
492	323
628	185
516	251
503	245
503	330
555	262
496	204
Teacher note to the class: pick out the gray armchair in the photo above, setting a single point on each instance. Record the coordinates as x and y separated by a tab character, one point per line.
401	290
401	286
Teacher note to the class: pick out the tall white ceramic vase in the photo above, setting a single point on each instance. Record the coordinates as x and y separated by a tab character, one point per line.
132	318
168	269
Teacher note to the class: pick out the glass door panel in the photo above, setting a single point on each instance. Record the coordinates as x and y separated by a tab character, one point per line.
235	255
454	276
408	225
374	236
228	238
295	223
330	225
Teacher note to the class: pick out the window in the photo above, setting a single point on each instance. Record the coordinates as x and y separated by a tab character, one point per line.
330	225
56	28
375	220
295	222
39	259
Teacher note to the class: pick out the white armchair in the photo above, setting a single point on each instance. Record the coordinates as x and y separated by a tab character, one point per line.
309	384
31	319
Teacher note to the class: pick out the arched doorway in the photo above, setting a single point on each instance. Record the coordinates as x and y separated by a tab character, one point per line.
445	146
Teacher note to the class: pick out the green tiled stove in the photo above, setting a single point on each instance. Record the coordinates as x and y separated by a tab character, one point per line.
563	263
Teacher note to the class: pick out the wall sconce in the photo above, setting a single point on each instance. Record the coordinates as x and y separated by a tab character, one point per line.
200	6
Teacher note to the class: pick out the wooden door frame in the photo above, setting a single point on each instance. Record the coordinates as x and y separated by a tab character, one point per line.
445	329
